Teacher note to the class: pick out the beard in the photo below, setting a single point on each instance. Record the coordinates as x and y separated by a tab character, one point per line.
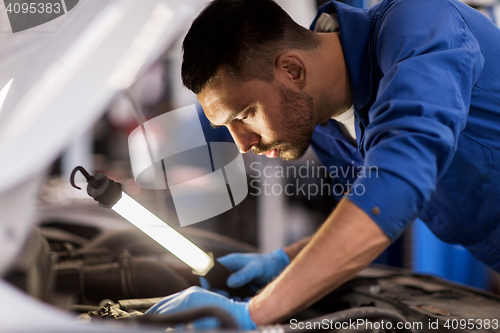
296	125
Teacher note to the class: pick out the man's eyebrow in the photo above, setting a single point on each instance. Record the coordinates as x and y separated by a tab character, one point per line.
231	117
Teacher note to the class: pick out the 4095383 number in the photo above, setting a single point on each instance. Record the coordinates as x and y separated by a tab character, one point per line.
34	8
472	324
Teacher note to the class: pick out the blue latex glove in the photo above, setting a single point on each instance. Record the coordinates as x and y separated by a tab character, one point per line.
196	297
259	269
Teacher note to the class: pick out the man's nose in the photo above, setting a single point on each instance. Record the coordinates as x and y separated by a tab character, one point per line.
243	137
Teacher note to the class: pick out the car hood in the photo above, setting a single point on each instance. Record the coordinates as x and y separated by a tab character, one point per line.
56	80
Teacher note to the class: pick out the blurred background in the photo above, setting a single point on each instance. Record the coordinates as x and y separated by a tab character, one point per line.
268	218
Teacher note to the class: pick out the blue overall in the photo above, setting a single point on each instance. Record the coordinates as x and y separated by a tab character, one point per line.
425	76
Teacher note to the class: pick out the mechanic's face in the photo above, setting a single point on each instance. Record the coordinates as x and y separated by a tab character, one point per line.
267	118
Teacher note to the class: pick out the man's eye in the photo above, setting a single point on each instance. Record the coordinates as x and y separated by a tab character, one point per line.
241	118
245	115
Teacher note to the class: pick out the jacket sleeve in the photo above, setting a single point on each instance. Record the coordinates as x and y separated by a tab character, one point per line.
430	61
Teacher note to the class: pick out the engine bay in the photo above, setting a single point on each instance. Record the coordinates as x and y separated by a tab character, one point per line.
73	262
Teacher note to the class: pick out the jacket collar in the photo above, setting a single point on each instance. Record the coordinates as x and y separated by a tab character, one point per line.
355	26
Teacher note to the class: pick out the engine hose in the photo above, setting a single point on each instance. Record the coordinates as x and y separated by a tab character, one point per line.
188	316
82	308
372	314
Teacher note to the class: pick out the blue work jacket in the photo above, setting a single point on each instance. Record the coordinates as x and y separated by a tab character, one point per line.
425	76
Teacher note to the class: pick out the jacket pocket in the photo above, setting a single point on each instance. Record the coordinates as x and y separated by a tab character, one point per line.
470	166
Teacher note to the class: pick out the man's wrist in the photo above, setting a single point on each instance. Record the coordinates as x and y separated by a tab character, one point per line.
254	313
247	323
265	309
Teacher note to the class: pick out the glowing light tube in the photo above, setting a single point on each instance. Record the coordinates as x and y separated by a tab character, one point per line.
165	235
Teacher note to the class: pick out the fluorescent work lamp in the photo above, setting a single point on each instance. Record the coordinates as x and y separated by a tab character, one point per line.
109	194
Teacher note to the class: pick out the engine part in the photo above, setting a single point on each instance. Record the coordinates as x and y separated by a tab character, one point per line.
138	304
131	277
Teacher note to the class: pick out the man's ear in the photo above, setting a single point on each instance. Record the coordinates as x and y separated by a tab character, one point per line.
291	67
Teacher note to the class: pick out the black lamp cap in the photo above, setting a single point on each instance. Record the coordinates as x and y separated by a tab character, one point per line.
102	189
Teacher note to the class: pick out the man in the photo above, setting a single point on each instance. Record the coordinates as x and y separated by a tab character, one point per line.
423	77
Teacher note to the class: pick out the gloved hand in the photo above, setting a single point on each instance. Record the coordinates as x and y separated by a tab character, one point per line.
259	269
196	297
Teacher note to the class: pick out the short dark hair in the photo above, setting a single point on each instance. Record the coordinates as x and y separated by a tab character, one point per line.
242	36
